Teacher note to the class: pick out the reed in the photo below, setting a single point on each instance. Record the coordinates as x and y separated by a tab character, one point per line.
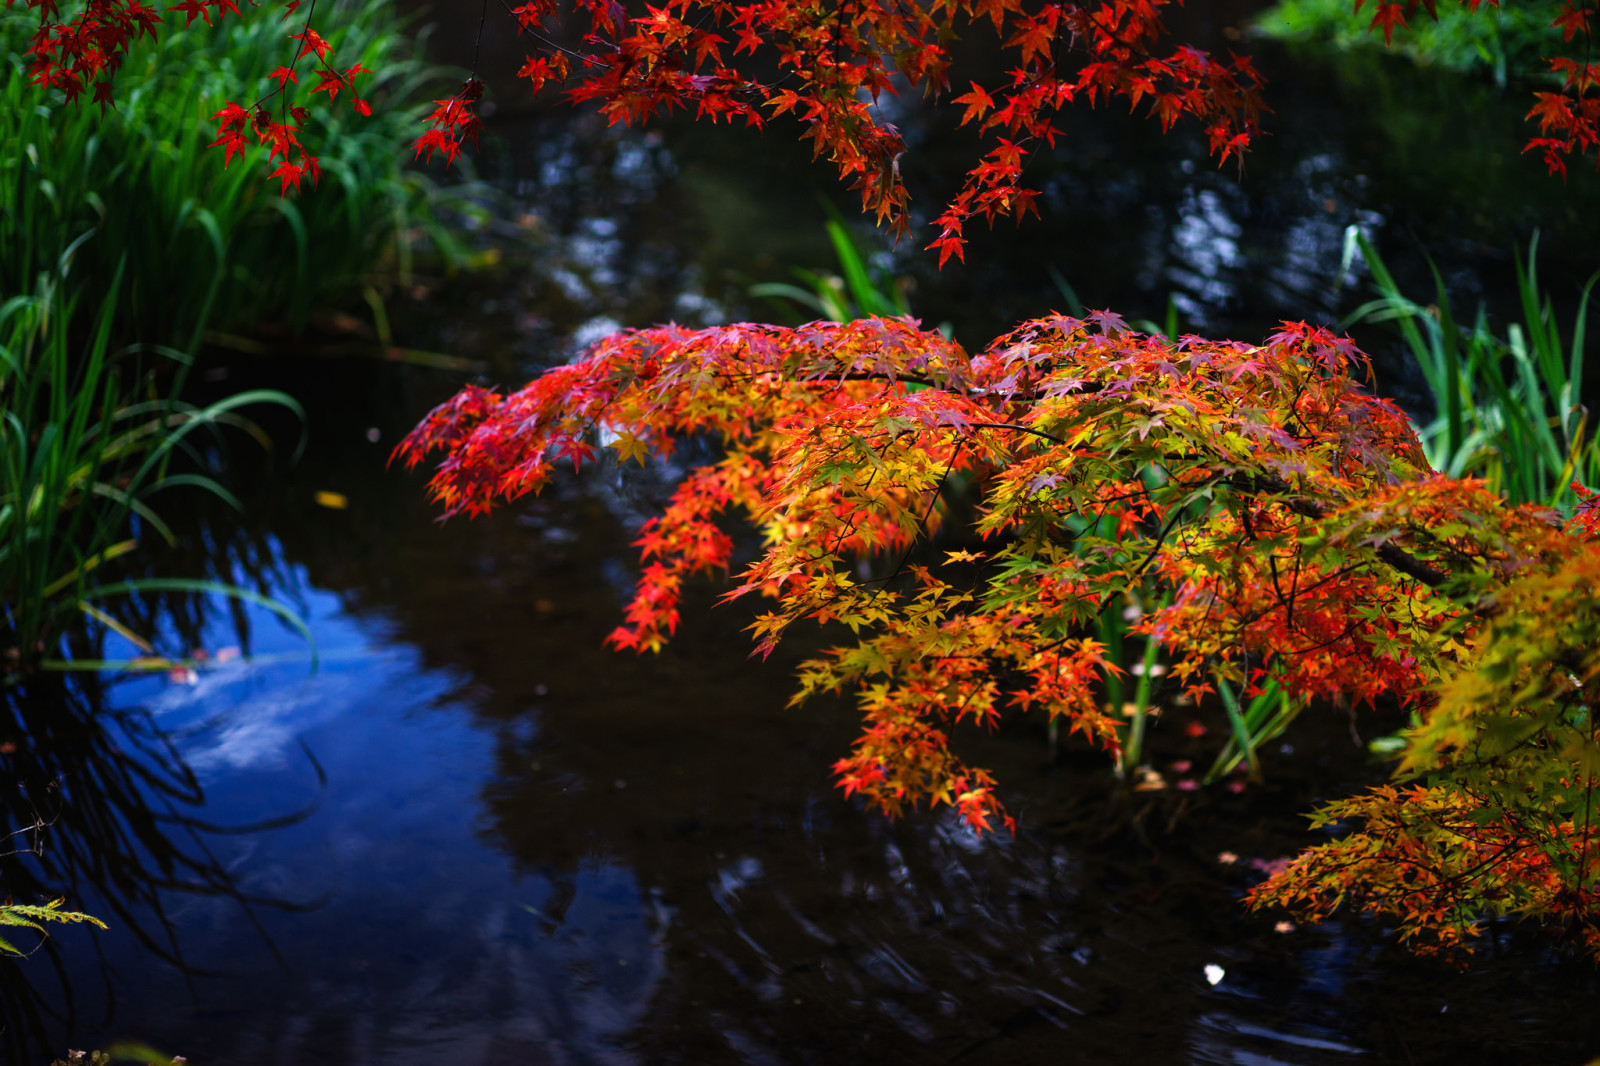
1506	408
855	292
85	445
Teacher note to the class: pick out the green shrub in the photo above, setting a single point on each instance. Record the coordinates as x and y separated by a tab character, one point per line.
1502	40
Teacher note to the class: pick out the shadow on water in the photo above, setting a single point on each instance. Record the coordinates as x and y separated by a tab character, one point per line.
100	805
519	847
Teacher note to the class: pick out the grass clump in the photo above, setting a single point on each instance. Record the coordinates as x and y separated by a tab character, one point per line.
86	443
202	246
1508	406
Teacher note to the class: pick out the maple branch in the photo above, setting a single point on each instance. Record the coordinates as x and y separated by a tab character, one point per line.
1271	484
1155	549
1330	642
1356	616
477	43
937	489
538	36
1020	429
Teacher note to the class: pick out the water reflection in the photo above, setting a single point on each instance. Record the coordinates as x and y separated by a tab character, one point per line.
112	818
1205	254
405	935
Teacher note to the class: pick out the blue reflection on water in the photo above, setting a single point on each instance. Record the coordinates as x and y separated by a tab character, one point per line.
406	931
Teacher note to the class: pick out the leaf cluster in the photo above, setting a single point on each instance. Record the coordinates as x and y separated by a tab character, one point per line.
1288	520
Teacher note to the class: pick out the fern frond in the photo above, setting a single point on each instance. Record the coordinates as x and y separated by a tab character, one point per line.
28	916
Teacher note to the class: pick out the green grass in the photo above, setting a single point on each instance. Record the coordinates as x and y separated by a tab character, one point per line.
1507	405
202	246
132	216
855	292
1503	41
86	444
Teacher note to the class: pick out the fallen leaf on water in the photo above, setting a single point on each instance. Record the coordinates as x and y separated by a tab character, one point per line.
1149	781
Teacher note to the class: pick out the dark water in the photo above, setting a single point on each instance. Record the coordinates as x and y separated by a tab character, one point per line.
490	840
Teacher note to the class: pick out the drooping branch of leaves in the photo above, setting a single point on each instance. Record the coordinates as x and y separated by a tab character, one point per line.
828	65
1104	466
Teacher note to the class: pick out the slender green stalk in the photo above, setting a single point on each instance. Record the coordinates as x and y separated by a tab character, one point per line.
1267	716
1133	743
855	292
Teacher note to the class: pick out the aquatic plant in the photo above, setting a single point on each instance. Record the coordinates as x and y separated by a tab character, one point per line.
85	444
1508	409
28	916
123	1051
855	292
103	810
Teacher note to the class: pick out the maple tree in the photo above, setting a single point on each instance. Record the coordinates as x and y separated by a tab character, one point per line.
826	64
1277	524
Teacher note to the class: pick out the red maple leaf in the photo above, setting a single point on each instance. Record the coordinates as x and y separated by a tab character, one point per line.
331	83
290	174
313	42
978	101
193	9
1389	15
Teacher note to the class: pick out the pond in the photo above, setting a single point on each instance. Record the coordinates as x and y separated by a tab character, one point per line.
470	833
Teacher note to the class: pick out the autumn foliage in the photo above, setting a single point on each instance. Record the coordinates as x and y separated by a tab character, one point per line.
1285	517
828	65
